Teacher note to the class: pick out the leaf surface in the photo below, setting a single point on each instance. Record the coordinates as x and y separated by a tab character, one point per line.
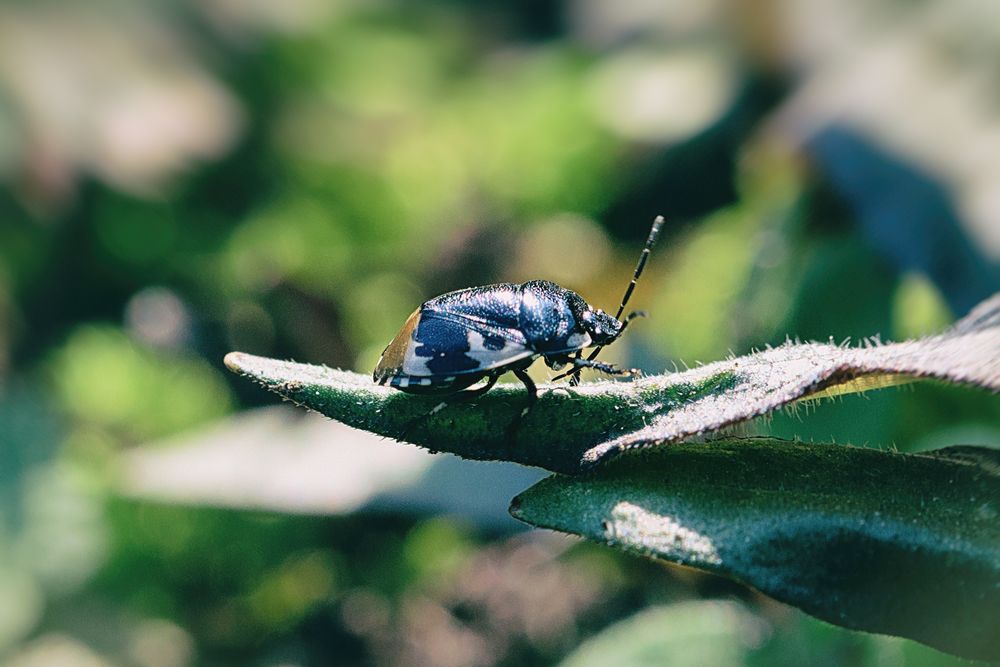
571	429
898	544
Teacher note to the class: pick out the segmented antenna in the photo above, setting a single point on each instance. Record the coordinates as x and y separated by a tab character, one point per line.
654	232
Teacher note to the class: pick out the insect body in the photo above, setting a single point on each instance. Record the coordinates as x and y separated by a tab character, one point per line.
457	339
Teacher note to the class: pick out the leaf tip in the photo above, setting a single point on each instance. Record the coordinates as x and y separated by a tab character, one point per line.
236	361
515	508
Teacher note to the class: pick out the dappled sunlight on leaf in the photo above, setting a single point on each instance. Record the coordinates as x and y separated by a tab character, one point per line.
893	543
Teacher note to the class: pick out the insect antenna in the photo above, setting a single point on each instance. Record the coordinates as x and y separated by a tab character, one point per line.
654	233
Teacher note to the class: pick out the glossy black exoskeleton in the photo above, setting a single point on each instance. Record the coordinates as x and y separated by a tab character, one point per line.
457	339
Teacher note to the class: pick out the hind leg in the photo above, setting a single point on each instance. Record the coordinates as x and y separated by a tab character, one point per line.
460	396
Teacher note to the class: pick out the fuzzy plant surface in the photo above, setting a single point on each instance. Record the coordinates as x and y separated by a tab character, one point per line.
573	428
901	544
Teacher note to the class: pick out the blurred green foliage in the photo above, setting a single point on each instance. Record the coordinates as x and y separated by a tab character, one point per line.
292	179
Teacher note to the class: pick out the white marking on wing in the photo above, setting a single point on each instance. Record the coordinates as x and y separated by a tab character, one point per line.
414	365
488	358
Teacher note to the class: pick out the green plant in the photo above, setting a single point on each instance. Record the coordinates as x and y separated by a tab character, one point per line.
902	544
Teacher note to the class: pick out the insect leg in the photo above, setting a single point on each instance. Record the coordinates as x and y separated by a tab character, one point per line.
579	364
460	396
574	375
603	367
463	396
529	384
470	394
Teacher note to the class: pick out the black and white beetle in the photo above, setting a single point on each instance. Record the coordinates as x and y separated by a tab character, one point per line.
459	338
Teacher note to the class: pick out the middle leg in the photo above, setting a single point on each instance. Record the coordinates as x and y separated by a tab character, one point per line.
529	384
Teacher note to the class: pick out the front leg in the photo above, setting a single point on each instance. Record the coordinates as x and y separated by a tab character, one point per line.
574	376
580	364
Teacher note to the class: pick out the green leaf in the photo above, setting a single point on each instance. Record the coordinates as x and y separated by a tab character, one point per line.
724	632
899	544
573	428
686	634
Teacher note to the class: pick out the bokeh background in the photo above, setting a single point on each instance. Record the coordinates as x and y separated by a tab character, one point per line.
181	179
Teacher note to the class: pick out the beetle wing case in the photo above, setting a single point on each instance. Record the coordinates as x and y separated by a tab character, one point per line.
440	350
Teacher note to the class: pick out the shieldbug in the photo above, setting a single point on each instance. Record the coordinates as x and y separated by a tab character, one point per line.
457	339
